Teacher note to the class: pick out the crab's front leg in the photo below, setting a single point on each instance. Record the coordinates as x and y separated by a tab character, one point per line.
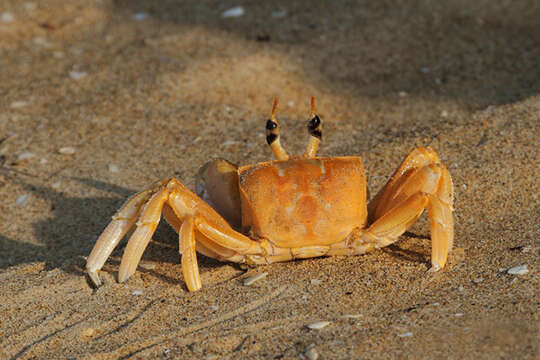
420	181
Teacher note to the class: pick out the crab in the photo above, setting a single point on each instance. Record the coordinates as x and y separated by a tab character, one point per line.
295	207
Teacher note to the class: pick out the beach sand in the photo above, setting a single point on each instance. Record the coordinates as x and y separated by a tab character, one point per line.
98	99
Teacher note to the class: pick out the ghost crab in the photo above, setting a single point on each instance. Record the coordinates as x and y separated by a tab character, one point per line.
290	208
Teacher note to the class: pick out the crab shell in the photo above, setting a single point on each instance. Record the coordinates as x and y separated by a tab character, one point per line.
302	202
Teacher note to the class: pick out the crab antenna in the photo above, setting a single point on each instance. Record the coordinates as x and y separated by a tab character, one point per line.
272	135
315	131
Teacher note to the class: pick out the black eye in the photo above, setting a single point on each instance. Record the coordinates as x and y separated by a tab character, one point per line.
270	125
271	138
314	122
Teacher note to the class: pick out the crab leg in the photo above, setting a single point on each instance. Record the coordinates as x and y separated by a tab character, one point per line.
209	248
190	269
287	254
208	222
445	192
123	221
420	181
418	158
204	245
391	225
229	238
425	180
441	221
138	242
442	231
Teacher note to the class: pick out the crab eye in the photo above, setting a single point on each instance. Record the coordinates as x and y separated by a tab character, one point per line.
270	138
314	122
271	125
314	127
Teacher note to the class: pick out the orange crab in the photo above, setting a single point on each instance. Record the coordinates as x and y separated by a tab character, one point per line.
290	208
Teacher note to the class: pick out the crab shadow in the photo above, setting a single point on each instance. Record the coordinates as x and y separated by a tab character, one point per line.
409	255
70	234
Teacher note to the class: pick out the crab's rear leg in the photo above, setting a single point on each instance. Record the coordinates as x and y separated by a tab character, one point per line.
189	216
199	226
419	182
121	223
146	226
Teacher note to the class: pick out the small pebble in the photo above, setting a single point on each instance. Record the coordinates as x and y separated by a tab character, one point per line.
88	332
425	69
140	16
526	249
56	185
77	75
67	150
444	113
137	292
318	325
316	282
461	288
518	270
21	200
252	279
166	351
42	161
236	11
18	104
25	156
311	353
214	307
402	94
436	304
112	168
41	41
229	142
7	17
147	266
407	334
459	314
478	280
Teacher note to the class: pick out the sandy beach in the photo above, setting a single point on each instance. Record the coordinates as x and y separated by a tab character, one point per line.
98	99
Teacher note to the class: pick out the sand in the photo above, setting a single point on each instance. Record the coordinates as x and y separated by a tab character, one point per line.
100	98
